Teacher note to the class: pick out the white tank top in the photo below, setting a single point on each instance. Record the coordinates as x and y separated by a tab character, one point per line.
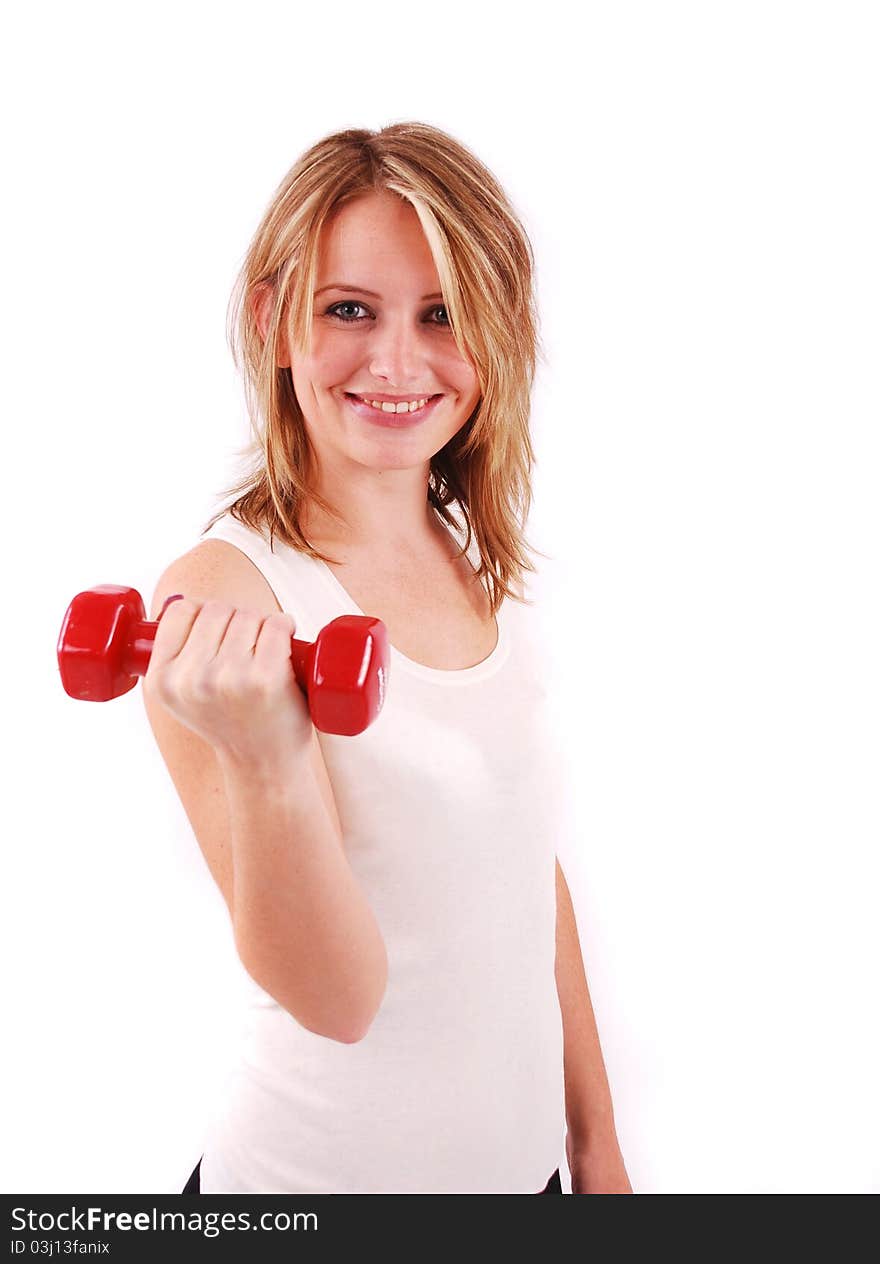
450	805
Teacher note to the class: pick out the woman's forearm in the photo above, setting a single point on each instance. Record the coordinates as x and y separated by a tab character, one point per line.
588	1106
303	927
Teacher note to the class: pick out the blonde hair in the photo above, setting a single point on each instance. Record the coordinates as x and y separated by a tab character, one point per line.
485	263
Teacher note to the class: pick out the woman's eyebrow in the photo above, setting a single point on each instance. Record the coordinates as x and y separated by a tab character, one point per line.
359	289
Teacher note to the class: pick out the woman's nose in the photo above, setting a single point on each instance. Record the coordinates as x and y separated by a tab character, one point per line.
396	353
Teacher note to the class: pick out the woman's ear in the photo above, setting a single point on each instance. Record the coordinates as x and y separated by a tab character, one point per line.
262	301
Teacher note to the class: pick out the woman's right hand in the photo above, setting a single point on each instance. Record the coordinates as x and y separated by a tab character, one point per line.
227	674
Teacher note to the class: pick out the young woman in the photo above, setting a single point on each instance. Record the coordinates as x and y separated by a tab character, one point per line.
419	1020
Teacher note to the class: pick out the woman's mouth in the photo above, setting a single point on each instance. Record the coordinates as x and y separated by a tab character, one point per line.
388	415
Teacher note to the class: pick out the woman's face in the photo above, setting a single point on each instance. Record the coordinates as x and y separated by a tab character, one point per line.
380	329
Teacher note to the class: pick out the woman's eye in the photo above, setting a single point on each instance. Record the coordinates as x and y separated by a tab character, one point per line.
335	311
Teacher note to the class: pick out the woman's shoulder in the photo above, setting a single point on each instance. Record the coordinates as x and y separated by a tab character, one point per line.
216	570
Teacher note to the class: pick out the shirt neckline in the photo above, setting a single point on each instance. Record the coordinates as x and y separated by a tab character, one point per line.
440	675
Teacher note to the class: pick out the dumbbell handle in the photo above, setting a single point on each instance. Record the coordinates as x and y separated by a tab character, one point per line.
142	636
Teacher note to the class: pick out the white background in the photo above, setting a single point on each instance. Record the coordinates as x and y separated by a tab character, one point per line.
700	185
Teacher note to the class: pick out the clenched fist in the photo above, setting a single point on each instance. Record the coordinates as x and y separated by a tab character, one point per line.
227	674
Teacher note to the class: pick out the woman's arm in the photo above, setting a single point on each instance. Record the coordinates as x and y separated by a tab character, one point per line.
269	830
303	927
591	1140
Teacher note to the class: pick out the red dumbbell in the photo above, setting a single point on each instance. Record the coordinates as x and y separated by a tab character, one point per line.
105	644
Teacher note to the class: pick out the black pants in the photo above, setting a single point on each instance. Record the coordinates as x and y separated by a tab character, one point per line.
553	1186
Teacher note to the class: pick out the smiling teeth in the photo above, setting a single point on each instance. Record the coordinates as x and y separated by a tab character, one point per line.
396	408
